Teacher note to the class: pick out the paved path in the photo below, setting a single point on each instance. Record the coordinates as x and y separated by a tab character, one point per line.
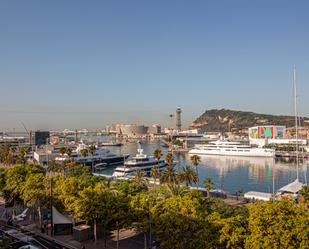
128	239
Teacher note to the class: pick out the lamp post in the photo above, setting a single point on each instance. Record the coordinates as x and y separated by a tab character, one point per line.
150	235
51	206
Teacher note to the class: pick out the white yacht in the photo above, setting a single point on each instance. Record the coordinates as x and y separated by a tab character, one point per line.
228	148
99	156
140	162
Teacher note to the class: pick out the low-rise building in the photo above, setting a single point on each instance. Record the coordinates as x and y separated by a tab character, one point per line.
272	134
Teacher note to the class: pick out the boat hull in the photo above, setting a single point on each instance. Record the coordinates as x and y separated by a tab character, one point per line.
251	153
109	161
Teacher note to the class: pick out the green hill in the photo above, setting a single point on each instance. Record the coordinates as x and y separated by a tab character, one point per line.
229	120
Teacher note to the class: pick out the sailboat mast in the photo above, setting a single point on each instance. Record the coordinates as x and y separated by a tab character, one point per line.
296	119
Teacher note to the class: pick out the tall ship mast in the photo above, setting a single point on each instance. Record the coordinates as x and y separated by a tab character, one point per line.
296	119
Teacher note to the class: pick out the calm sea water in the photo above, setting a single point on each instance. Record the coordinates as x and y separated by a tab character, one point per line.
230	173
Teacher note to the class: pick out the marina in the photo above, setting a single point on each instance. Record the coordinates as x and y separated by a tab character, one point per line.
154	125
230	173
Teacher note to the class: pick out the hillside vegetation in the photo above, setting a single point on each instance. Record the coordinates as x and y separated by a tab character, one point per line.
225	120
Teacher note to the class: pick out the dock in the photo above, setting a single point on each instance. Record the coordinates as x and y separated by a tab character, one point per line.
291	154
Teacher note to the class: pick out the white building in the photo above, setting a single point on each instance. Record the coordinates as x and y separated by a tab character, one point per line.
271	134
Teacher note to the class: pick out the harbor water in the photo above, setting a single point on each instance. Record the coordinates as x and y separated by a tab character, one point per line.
231	174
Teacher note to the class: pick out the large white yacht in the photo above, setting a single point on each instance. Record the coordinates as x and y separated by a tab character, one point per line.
140	162
228	148
99	156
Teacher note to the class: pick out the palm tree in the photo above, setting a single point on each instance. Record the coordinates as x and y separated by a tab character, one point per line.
169	175
157	154
23	151
195	159
175	190
208	185
63	150
53	166
169	159
139	178
69	152
188	175
84	153
155	174
92	151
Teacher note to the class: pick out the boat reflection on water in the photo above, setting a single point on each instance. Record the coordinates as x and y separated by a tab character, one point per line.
246	173
230	173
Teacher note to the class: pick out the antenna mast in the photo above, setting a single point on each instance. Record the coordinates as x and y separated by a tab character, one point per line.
296	119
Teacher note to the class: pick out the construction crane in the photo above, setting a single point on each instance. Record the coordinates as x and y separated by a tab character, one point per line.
29	133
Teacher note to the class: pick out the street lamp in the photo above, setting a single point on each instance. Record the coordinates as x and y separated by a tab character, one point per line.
150	232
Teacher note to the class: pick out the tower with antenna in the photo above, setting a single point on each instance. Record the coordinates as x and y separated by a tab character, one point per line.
178	118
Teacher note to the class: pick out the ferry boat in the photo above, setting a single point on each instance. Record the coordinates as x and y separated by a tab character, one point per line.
228	148
140	162
100	156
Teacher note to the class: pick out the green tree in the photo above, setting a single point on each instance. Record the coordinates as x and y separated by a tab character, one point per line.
92	151
139	178
62	151
54	166
84	153
180	223
87	205
35	192
16	177
141	208
6	243
278	224
74	169
169	175
157	154
303	196
232	230
170	190
67	189
23	151
155	174
169	159
208	185
2	179
195	159
128	187
97	204
69	152
188	175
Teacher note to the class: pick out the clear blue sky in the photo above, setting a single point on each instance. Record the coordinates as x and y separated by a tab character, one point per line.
89	63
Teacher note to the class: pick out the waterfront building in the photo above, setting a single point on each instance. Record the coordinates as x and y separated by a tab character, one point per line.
43	156
130	130
155	129
271	134
41	137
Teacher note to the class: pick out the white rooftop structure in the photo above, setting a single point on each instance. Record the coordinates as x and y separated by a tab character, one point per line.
59	218
292	188
261	196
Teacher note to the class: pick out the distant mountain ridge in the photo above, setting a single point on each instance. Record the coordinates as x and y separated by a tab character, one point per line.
223	120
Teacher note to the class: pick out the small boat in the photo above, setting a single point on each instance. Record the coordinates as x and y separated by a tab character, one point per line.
99	166
111	144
